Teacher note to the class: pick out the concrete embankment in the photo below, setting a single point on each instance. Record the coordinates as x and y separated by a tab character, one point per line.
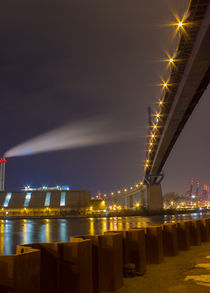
157	258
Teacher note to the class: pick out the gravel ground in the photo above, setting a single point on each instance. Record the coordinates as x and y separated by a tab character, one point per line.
189	271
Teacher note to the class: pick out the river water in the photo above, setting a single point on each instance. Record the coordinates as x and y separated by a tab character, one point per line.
13	232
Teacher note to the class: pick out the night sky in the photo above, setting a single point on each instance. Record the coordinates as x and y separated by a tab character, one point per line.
63	61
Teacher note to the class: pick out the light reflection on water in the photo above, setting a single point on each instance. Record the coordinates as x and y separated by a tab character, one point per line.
13	232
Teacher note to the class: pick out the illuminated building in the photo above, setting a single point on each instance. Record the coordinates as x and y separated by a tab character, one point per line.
41	202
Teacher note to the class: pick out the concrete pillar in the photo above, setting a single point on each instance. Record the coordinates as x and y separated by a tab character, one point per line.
125	203
154	199
142	198
130	201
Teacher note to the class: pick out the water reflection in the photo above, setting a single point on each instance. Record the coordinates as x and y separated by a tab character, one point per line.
92	228
47	230
1	237
13	232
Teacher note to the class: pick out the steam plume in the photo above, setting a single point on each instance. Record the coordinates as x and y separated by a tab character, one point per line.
80	134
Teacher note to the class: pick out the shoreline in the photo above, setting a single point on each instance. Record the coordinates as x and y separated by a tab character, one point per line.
125	214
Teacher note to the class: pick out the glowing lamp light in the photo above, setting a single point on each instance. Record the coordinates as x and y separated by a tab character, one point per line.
157	115
131	187
112	193
165	84
180	24
137	185
125	190
118	191
149	150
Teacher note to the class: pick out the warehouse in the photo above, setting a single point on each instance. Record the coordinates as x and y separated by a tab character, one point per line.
41	202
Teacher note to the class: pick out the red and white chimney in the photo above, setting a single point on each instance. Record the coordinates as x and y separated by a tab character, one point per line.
2	173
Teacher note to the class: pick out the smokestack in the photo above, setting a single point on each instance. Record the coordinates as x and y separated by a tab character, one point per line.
2	173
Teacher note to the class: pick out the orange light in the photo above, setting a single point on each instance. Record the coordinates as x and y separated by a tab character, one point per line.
180	24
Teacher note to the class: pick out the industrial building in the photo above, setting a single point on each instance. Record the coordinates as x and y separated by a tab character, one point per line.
44	202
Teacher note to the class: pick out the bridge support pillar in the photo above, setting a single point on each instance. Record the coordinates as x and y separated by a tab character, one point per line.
142	198
154	198
130	201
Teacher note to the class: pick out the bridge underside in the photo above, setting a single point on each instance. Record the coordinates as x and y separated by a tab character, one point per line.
186	94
